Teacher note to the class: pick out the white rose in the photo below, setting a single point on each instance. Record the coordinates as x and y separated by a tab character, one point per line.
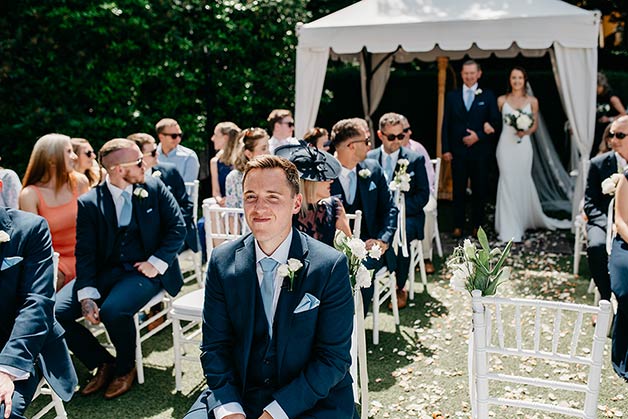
469	249
363	277
404	186
609	185
403	162
283	271
524	122
375	252
392	186
157	173
364	173
4	236
405	178
478	92
294	264
358	249
458	281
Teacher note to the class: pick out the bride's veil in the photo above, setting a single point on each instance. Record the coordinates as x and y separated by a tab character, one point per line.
553	183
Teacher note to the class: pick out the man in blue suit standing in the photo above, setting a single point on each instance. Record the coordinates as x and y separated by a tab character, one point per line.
389	154
129	230
466	143
278	313
362	186
31	342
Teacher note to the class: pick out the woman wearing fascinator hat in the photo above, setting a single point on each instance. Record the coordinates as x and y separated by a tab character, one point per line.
321	214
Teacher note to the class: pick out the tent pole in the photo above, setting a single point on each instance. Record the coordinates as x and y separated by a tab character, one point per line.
446	186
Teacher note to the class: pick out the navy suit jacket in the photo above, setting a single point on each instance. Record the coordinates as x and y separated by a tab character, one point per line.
312	346
457	120
28	330
595	201
173	180
379	212
162	232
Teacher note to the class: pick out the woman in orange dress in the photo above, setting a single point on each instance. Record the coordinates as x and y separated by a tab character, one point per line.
51	189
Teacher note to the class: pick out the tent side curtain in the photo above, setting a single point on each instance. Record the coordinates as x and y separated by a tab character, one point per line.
310	77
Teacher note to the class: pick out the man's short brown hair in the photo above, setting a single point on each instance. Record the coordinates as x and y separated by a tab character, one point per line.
141	138
390	118
277	115
345	129
112	146
163	124
275	162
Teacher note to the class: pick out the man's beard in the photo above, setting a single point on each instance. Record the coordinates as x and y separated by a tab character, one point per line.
128	178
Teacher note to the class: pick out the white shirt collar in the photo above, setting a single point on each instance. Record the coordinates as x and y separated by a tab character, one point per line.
115	191
344	172
394	156
465	88
280	254
621	162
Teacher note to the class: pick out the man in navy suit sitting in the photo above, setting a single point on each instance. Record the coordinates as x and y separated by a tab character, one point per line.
31	342
129	230
276	346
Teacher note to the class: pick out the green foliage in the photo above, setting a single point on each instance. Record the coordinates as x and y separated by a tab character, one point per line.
105	70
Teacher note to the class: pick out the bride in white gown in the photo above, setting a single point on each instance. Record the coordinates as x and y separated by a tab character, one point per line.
518	205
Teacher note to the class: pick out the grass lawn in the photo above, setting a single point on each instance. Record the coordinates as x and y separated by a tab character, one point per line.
418	370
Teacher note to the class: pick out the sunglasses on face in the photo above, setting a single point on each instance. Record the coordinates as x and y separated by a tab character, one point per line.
137	163
90	153
152	153
393	137
618	135
288	123
367	142
406	130
174	136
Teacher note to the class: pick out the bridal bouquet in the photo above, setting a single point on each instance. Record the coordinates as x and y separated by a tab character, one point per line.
519	120
355	251
481	269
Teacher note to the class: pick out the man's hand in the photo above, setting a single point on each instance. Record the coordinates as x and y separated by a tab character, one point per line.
235	416
6	393
146	269
266	415
447	156
371	242
488	129
470	139
90	311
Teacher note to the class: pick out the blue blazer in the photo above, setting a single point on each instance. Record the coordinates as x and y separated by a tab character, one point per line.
379	212
162	232
312	346
457	120
175	184
28	330
595	201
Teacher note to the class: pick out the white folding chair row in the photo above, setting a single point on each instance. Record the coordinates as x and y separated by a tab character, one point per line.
192	262
434	214
499	329
222	224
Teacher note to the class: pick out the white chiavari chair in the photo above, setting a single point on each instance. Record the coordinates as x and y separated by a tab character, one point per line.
192	262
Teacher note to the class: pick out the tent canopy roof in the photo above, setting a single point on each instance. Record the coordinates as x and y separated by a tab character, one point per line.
451	25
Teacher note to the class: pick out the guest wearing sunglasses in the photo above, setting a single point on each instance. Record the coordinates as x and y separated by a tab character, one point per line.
388	155
317	138
170	149
281	127
51	189
86	162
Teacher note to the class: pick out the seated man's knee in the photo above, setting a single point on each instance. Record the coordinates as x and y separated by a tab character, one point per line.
111	314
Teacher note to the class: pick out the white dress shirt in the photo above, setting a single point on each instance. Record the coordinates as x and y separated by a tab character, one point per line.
281	256
185	159
621	163
118	202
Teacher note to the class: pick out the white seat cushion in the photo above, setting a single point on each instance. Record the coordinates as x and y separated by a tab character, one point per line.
190	304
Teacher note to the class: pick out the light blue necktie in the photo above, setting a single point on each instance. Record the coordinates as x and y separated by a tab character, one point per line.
468	99
127	209
352	188
388	169
268	289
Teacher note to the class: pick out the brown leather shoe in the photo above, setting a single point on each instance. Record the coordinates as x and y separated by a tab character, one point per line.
121	385
103	376
402	298
429	267
457	233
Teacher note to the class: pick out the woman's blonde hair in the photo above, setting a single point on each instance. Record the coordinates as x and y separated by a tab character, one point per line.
92	173
308	190
247	141
48	155
232	131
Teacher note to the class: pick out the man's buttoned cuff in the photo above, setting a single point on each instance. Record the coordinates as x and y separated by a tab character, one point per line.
228	409
87	292
17	374
159	264
275	410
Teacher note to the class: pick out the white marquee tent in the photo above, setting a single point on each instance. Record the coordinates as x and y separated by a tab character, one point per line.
376	32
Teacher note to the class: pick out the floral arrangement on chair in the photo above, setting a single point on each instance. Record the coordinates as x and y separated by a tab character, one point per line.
481	269
355	251
402	179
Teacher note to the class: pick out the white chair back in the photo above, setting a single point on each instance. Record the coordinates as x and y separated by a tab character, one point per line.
356	219
610	226
546	330
436	164
222	224
192	189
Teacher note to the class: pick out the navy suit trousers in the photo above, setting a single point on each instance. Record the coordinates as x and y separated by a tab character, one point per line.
467	166
122	296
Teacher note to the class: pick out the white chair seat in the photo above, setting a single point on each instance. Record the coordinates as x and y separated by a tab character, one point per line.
188	307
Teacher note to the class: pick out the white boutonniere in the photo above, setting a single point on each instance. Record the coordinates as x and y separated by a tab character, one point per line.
402	179
156	173
609	185
289	270
364	173
4	236
140	192
478	92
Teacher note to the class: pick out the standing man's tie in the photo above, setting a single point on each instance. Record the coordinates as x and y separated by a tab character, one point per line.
352	187
268	289
388	169
127	209
468	99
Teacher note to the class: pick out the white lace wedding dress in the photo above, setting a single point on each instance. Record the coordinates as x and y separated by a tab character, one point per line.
518	206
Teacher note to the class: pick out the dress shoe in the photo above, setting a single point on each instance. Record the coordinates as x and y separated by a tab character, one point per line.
121	385
457	233
402	298
103	376
429	267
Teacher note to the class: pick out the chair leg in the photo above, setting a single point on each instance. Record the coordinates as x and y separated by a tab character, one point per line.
392	284
412	273
376	310
576	252
59	408
198	267
439	247
176	340
139	361
421	258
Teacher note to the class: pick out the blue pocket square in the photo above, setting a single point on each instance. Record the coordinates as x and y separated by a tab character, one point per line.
372	186
10	261
309	302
